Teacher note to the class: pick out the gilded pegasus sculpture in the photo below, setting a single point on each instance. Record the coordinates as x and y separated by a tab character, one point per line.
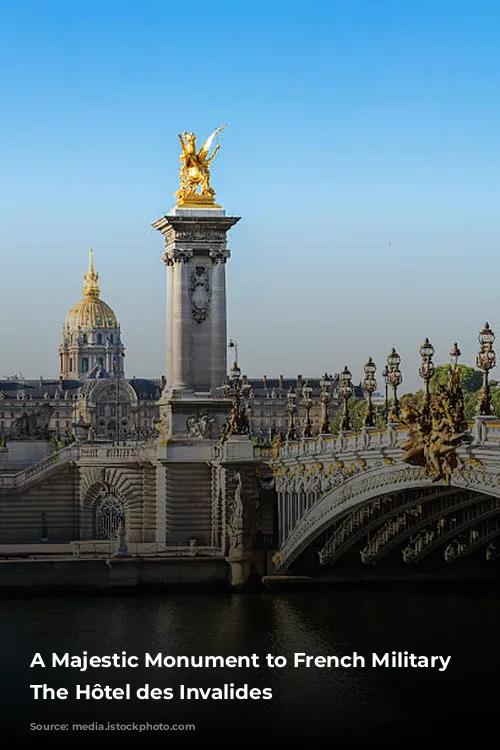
195	186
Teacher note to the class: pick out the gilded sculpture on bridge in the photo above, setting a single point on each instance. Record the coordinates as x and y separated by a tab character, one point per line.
436	432
195	186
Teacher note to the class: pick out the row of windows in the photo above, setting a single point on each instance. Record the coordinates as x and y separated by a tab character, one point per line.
110	409
98	338
85	364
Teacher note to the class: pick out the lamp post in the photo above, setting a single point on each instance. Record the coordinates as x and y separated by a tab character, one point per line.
426	372
369	385
325	384
233	345
395	380
291	398
455	354
308	402
486	360
238	416
385	375
345	392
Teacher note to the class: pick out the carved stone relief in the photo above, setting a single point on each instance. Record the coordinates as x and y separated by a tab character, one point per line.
201	426
199	293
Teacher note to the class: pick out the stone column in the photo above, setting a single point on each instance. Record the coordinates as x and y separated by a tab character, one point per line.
170	323
181	322
218	320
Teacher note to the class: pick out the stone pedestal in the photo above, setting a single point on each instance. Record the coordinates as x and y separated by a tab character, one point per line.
240	562
26	452
483	425
189	416
81	429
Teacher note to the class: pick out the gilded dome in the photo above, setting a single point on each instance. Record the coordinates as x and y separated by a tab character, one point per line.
91	312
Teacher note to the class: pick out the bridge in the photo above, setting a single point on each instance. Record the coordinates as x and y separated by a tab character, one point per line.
353	497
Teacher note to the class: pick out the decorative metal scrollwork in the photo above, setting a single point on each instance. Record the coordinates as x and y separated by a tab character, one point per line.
109	514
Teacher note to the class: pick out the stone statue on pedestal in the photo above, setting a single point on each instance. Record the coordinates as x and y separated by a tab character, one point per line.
236	520
34	426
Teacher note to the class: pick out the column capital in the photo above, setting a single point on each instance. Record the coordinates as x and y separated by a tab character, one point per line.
176	255
219	255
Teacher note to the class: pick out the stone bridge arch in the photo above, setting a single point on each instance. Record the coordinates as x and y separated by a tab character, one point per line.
365	486
108	496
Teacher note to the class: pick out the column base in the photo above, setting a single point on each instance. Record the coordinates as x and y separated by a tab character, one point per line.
240	563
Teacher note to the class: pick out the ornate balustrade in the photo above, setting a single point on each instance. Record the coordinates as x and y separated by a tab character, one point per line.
74	453
106	549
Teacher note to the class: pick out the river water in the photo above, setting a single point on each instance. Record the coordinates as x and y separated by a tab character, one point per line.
392	704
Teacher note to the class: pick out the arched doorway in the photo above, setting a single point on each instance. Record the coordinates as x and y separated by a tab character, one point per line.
108	515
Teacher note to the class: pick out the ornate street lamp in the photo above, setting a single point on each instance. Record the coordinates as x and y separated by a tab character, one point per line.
291	406
395	380
486	360
346	393
325	384
426	371
238	416
308	403
235	373
369	385
385	375
454	354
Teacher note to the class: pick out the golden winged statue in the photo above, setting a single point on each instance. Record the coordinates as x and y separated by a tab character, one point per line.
195	189
435	433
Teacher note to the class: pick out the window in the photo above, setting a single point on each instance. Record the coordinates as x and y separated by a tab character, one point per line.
84	338
71	364
111	338
100	362
112	410
124	410
101	410
85	364
99	338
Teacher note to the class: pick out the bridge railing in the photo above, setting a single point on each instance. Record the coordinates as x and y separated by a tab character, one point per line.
107	548
344	442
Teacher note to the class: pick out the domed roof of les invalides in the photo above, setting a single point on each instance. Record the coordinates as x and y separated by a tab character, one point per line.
91	312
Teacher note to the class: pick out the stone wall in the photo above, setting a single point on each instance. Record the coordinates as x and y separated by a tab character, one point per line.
46	510
124	573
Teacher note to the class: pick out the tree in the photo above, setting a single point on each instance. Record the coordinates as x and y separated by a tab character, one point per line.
470	379
357	412
415	400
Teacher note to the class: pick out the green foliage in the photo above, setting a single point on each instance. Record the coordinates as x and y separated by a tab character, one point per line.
357	412
470	405
415	400
470	379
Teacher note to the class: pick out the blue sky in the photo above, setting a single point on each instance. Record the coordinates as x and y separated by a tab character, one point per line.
361	152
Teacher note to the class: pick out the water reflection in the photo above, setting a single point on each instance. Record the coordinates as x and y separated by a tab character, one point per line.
307	701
